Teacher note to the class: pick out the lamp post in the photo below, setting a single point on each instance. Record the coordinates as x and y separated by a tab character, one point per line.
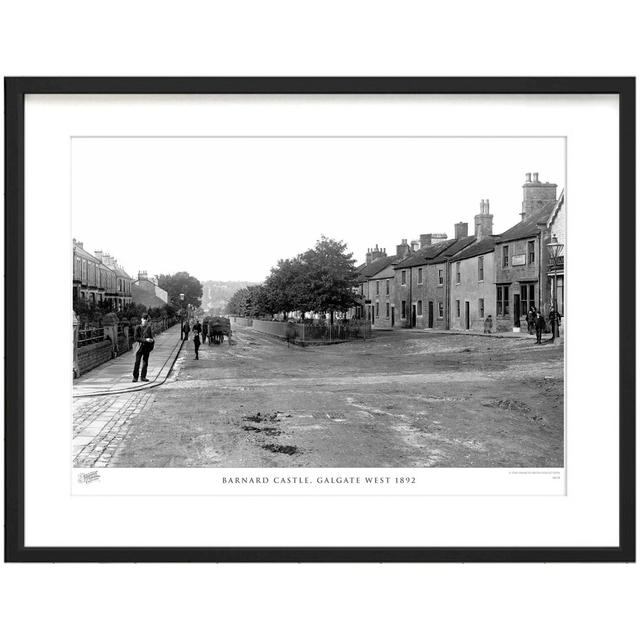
555	249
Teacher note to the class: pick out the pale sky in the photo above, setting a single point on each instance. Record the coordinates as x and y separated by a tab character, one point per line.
229	208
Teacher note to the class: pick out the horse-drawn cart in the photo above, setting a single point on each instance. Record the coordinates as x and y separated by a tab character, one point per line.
217	328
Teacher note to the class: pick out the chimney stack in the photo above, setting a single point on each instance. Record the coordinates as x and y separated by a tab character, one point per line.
403	249
536	195
415	245
142	275
375	254
461	230
483	221
527	177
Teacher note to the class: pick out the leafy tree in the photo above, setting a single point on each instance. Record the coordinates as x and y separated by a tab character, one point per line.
330	277
285	288
248	301
322	279
181	283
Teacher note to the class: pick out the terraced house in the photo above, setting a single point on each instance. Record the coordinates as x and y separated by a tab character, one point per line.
99	278
377	287
460	283
439	272
414	281
522	259
472	292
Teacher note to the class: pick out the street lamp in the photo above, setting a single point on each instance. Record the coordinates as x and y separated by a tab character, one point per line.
555	249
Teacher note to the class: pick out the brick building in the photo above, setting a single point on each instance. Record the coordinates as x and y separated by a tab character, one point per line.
145	290
522	258
377	285
99	278
439	272
472	292
121	296
456	284
88	283
415	290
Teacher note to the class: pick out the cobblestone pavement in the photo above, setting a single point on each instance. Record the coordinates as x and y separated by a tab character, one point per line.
403	399
101	424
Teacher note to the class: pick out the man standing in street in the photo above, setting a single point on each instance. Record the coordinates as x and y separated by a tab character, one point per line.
539	327
144	337
197	330
553	320
185	330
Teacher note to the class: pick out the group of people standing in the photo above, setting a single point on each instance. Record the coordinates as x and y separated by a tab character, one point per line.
536	321
199	334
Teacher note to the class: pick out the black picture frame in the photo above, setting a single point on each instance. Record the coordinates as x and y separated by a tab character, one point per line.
15	91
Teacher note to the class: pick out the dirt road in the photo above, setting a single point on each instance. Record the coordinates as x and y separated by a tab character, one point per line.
403	399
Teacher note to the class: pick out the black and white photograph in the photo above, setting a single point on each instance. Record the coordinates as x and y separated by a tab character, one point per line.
350	314
319	302
319	320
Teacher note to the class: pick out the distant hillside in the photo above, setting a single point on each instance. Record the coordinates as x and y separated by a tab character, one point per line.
216	294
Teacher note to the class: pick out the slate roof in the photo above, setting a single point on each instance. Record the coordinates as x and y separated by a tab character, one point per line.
421	256
121	272
84	253
556	209
116	268
453	249
528	228
486	245
148	299
374	267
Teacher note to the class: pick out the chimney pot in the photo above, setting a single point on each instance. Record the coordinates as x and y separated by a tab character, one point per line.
535	177
461	230
528	177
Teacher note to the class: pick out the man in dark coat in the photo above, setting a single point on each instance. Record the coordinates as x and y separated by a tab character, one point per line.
554	320
197	330
539	327
144	337
185	330
531	319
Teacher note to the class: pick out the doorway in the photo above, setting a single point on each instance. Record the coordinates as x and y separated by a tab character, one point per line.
466	316
430	325
393	316
516	309
413	315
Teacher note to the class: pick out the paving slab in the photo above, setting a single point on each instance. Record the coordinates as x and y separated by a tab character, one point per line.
115	376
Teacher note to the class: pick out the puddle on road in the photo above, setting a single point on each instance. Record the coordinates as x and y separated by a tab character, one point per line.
281	448
263	417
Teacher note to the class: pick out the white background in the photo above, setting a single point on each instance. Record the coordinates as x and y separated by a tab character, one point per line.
279	195
587	516
292	38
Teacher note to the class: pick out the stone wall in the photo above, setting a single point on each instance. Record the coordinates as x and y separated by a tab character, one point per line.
93	355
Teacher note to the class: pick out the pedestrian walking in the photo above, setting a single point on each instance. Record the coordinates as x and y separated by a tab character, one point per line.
197	330
539	327
144	337
488	324
185	330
